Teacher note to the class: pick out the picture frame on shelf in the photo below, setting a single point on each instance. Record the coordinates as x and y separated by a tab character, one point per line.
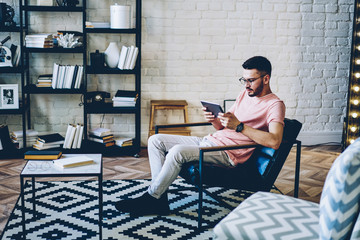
9	96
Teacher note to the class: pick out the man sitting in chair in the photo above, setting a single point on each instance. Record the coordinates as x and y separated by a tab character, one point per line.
257	116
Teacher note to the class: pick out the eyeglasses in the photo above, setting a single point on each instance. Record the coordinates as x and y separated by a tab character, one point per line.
245	81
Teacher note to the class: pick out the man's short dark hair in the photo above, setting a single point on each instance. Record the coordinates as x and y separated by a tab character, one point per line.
262	64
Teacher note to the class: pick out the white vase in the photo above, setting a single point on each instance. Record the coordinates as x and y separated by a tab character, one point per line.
112	54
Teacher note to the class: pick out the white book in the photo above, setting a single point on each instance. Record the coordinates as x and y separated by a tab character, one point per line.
122	58
100	132
128	57
69	162
55	75
71	136
76	137
80	136
79	77
61	76
29	133
133	59
68	131
69	77
66	76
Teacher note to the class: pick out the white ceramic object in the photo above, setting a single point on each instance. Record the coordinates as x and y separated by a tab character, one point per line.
112	54
120	16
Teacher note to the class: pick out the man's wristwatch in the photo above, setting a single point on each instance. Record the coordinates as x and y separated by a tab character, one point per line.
239	127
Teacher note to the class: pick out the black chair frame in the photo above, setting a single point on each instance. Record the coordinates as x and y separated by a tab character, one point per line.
203	150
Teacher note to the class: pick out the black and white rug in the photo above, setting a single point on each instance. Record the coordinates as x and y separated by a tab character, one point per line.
69	210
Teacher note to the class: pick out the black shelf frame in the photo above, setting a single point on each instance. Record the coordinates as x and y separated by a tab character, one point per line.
107	108
34	8
105	70
110	30
55	50
23	109
28	89
101	108
32	89
10	29
18	69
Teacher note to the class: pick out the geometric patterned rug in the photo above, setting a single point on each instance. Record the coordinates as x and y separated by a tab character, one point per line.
69	210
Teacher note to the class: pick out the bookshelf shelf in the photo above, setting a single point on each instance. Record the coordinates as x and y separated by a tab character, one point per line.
55	50
32	89
108	108
11	69
91	70
110	30
30	8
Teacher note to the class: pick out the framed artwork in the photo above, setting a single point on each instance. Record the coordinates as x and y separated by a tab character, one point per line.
9	96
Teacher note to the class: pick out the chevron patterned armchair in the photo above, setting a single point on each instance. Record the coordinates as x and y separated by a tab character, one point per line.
267	215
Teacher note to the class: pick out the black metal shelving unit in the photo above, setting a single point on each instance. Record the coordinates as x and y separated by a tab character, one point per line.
29	89
108	108
24	104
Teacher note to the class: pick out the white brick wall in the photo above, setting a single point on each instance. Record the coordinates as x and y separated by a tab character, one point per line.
193	50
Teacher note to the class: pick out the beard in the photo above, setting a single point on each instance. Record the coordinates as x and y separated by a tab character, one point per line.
256	92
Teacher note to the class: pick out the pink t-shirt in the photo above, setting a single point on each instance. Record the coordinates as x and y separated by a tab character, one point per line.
256	112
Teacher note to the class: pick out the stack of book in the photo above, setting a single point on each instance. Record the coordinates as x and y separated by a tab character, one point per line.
103	136
41	40
125	98
67	76
18	140
74	136
123	141
42	155
44	80
128	56
48	141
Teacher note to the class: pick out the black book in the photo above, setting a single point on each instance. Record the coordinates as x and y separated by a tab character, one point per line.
123	93
74	77
51	138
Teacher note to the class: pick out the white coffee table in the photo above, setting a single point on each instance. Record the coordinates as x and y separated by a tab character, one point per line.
46	168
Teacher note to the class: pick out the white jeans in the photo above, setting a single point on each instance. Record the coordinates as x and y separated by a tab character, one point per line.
167	154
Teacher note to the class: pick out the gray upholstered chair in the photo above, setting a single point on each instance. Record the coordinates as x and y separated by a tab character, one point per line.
266	215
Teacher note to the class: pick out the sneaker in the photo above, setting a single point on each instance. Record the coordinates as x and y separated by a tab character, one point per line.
144	205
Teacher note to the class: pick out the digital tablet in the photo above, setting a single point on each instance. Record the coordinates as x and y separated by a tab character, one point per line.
212	107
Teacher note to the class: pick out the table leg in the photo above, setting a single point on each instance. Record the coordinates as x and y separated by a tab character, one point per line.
100	206
22	195
33	197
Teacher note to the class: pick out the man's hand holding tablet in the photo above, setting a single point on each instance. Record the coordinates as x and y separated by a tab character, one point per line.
214	108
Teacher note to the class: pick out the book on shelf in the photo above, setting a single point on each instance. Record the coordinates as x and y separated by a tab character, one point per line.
77	161
123	141
100	132
104	139
125	98
67	76
29	133
128	56
54	138
39	41
42	155
74	136
44	80
18	140
92	24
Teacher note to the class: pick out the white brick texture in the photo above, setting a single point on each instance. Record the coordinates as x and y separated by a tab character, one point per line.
193	50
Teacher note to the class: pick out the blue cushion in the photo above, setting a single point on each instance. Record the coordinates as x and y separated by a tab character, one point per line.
356	231
339	203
